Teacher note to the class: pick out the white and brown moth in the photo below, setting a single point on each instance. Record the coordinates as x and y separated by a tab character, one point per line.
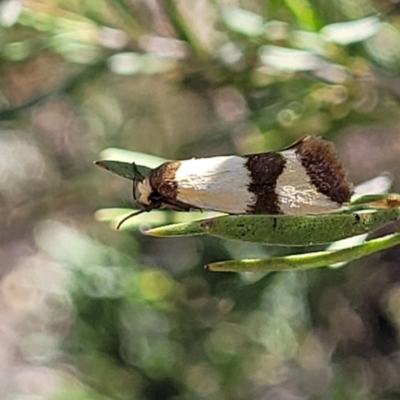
306	178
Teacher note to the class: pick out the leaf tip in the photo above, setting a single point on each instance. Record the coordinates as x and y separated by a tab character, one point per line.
215	266
156	232
100	164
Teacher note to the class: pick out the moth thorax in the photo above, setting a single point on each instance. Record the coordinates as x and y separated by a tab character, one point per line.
144	190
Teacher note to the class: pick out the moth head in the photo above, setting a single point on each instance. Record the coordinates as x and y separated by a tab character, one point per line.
144	195
142	192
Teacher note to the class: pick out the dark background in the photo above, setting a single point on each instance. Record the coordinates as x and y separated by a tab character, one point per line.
90	313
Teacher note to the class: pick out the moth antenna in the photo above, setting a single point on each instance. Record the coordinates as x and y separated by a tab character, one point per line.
131	215
137	172
134	184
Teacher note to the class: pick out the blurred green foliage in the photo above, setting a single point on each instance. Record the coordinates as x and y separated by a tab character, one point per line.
90	313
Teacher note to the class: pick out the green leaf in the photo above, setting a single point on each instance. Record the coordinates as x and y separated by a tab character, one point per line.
123	169
304	12
290	60
367	198
116	154
131	63
185	222
352	31
181	229
284	230
309	260
305	230
243	21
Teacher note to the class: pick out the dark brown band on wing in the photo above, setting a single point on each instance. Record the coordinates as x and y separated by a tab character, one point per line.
324	168
264	171
162	179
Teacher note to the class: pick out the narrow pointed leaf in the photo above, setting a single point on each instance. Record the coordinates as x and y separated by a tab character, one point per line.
370	198
306	230
151	221
129	156
122	168
309	260
181	229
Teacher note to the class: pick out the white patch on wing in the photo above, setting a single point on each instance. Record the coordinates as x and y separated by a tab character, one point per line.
297	195
215	183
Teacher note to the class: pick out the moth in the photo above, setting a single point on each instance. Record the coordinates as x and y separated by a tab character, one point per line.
305	178
281	198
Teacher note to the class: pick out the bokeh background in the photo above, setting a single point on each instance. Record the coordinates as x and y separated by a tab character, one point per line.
90	313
